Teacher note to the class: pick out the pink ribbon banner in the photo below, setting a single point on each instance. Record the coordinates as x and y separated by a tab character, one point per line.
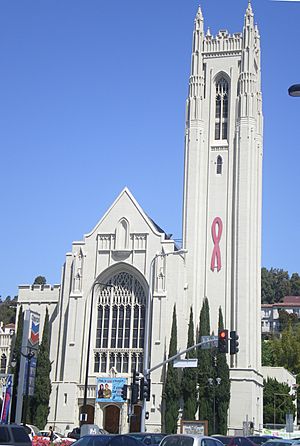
216	236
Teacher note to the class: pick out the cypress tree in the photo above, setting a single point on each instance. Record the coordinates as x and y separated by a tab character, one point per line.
222	390
172	384
189	378
205	371
17	356
41	396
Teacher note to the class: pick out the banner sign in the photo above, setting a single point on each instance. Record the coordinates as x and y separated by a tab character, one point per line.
34	329
32	371
110	390
30	344
6	394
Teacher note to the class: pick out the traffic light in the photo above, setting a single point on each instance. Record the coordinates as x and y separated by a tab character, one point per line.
234	343
223	341
147	389
142	389
124	392
135	387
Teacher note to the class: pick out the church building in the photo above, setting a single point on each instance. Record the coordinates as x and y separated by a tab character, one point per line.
99	310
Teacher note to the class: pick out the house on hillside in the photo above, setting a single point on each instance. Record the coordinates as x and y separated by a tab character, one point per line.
270	313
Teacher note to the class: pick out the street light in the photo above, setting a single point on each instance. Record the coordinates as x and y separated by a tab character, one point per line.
213	383
83	414
29	356
294	90
148	324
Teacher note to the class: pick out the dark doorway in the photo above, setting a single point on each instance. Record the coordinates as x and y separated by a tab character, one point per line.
90	410
135	419
112	419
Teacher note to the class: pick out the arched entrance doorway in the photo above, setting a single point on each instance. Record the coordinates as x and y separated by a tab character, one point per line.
135	419
111	419
90	410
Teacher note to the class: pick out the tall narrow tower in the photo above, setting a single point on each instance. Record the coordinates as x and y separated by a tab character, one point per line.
223	197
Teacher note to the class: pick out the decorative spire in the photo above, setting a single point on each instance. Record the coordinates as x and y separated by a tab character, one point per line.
199	19
249	17
257	31
249	11
208	33
199	15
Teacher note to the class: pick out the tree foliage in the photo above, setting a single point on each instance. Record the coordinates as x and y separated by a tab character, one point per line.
17	356
172	388
8	310
267	353
295	284
277	402
284	352
205	370
276	284
189	377
286	318
40	400
223	389
40	280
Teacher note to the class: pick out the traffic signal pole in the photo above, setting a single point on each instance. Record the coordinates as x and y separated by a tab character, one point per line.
161	364
147	371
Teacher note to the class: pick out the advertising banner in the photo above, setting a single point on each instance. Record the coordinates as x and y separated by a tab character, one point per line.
30	344
31	380
6	395
110	390
34	330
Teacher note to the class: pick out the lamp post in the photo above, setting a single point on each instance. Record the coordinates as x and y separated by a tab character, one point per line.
294	90
83	414
28	358
148	328
213	383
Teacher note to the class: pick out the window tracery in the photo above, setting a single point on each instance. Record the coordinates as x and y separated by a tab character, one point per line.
221	111
120	325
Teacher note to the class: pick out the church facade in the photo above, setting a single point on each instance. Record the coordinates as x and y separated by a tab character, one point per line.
108	276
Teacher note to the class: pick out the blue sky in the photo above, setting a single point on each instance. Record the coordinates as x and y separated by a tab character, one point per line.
92	99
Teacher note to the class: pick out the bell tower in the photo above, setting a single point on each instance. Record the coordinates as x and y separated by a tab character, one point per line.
223	197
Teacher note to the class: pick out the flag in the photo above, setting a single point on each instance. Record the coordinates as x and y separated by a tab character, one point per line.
6	401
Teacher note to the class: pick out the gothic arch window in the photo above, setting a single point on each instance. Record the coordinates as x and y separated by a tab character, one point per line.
122	235
120	325
3	362
221	109
219	165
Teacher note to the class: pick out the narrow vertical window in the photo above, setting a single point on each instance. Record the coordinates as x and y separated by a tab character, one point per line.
97	363
221	114
219	165
122	235
3	363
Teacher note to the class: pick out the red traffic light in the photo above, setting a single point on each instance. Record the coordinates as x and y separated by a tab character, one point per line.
223	341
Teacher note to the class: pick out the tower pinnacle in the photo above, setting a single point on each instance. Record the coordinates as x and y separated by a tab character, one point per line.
249	11
199	19
199	15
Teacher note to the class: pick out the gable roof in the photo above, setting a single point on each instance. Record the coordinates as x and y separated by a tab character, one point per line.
152	225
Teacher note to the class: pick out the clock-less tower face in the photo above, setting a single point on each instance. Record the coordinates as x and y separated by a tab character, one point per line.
222	187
